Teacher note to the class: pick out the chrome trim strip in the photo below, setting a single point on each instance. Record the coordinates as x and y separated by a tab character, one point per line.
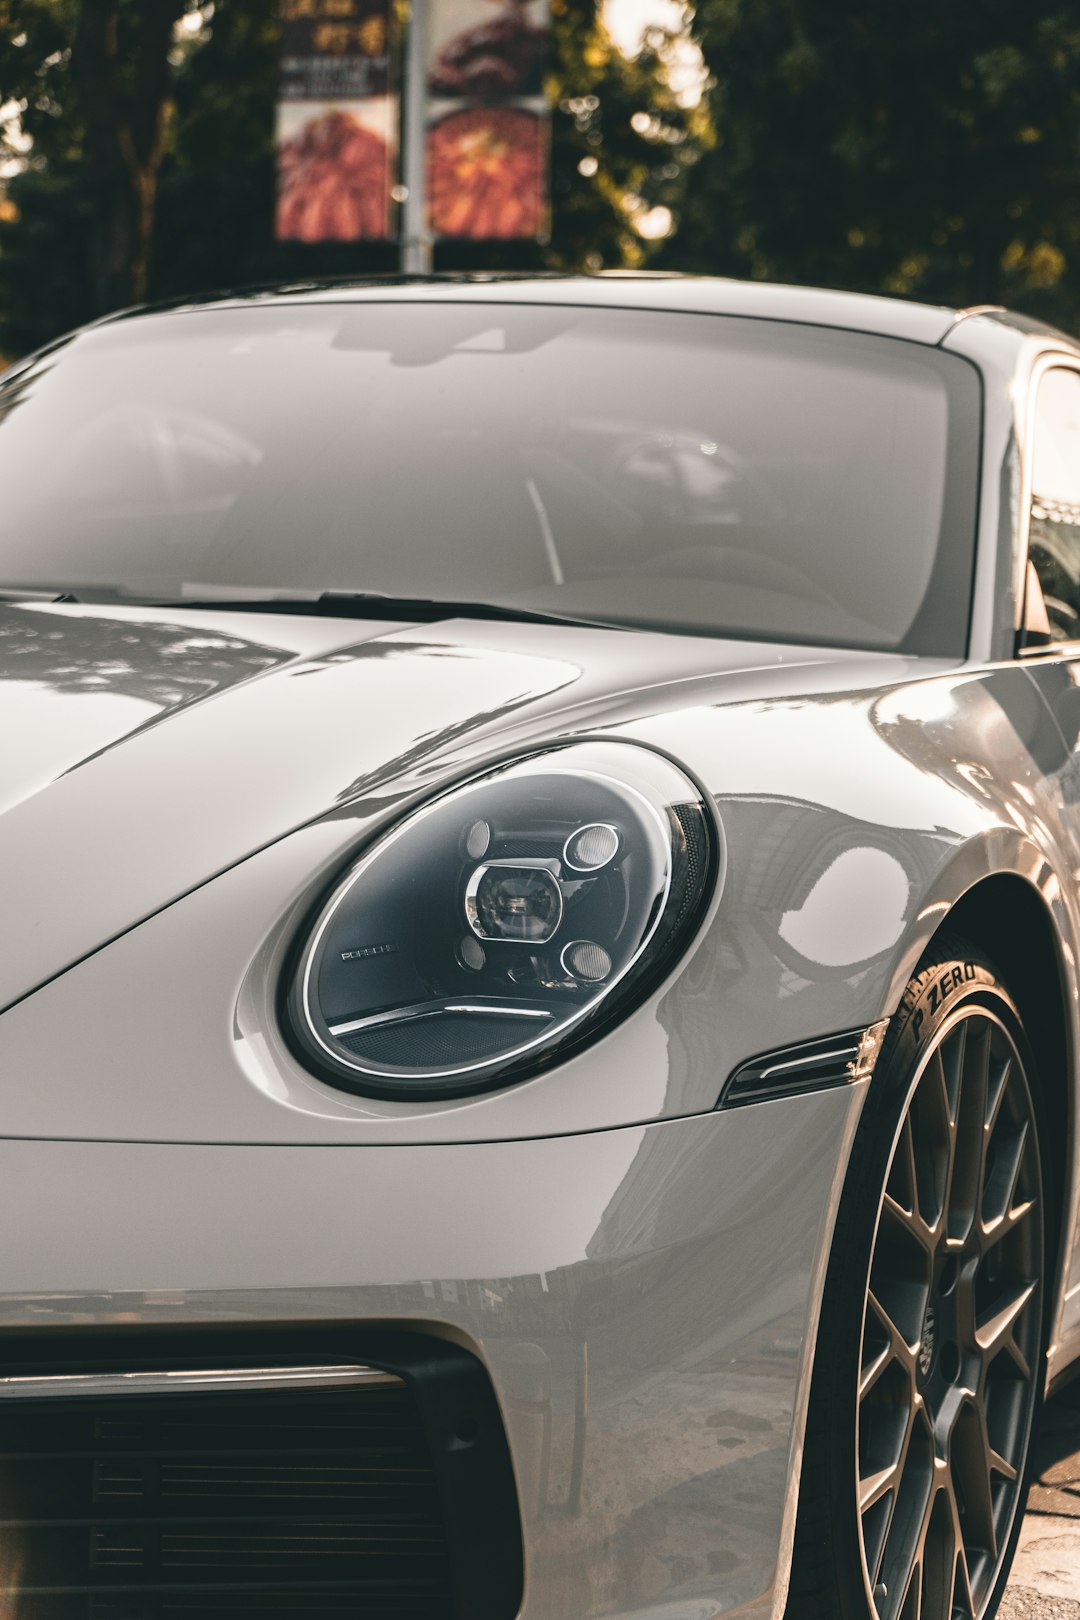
433	1009
848	1052
28	1386
497	1012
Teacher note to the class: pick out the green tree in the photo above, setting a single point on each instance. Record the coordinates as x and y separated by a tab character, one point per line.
121	71
40	268
622	116
929	149
93	80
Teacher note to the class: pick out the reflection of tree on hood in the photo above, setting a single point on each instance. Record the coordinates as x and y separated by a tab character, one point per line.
163	664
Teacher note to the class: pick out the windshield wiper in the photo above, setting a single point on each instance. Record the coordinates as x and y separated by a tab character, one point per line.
377	604
325	604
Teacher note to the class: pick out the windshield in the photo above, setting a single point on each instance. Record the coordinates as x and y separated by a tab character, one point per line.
686	472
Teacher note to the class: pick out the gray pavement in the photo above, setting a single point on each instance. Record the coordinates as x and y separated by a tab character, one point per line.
1046	1575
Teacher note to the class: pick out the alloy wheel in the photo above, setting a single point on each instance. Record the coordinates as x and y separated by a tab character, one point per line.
951	1331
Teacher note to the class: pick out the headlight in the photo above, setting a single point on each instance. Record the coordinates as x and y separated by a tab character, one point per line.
504	923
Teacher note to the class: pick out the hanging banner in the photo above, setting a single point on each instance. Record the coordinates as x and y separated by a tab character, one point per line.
337	121
488	123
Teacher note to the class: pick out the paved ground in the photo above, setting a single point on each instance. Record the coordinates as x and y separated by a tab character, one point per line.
1046	1576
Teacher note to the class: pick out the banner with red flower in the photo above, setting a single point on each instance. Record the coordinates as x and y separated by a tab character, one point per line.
488	128
337	123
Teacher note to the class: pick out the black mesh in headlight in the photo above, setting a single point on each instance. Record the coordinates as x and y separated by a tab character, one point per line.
513	917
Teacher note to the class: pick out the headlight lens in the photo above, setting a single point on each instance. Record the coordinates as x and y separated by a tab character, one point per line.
502	924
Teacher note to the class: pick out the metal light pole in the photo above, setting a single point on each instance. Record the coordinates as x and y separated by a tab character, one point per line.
415	237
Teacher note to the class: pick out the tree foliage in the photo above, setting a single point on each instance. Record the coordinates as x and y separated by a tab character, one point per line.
92	78
622	116
930	149
153	166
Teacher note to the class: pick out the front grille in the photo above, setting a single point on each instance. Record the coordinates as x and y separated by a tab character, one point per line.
283	1503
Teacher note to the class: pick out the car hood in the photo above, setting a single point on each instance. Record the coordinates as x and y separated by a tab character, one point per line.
145	751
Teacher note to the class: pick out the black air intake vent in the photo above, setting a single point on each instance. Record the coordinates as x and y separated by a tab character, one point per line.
269	1504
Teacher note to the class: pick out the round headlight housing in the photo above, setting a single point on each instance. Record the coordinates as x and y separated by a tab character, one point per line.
504	923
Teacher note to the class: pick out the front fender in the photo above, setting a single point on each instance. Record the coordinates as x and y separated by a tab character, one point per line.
853	822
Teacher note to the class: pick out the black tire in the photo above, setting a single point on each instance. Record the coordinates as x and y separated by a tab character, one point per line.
924	1396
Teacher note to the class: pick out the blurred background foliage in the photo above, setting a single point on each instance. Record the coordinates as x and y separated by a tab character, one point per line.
930	150
121	96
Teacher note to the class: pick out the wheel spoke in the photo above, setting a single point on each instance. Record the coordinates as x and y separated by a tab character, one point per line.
916	1585
997	1332
909	1222
936	1144
962	1598
901	1533
969	1466
905	1163
938	1551
1002	1225
873	1370
911	1607
950	1582
875	1486
1000	1076
928	1583
965	1189
1003	1208
899	1348
878	1483
951	1054
881	1492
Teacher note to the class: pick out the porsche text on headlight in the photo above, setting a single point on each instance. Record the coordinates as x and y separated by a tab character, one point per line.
510	919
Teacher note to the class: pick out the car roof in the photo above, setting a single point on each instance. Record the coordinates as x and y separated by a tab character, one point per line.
707	295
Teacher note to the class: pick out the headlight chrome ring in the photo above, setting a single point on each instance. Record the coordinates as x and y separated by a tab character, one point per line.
504	924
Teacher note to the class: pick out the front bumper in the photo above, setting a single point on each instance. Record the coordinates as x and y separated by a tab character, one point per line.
644	1300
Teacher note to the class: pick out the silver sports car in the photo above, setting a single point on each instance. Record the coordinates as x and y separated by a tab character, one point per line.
540	858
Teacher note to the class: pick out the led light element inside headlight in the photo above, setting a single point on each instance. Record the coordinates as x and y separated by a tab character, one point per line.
514	900
507	921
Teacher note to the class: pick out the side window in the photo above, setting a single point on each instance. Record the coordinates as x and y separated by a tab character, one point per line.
1055	501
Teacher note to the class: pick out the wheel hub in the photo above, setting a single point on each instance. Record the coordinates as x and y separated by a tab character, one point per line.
948	1353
